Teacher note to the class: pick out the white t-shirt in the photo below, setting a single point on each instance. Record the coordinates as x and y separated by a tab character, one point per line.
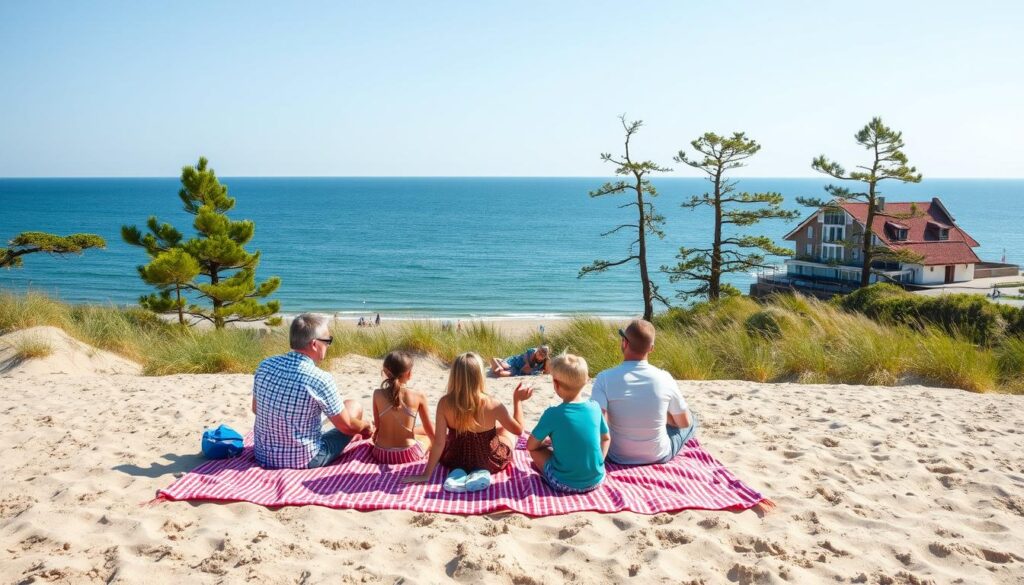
638	397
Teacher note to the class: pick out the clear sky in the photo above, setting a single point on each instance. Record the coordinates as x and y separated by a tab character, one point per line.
500	88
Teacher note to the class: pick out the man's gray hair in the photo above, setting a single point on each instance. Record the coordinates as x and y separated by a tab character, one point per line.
305	329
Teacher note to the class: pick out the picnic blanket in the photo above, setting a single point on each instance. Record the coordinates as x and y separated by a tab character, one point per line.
692	480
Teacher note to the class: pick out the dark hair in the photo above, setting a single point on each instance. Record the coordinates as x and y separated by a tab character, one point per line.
396	365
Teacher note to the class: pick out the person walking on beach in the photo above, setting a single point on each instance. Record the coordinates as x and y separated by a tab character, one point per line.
647	415
377	322
289	394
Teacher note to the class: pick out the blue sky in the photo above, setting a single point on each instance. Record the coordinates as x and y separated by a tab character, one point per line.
501	89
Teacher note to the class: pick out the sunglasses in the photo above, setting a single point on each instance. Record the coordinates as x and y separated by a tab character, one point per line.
327	341
622	334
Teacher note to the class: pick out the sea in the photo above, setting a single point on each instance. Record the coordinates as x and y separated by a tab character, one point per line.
452	247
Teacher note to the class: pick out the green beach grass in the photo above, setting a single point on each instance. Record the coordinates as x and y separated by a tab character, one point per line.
782	339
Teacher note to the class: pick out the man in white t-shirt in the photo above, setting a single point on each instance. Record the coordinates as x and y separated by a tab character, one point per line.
647	415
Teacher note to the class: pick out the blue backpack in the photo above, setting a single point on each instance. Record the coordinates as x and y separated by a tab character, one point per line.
221	443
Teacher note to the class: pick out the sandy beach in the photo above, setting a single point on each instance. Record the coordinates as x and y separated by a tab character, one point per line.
873	485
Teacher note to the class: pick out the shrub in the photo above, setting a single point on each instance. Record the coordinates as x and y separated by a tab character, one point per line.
972	316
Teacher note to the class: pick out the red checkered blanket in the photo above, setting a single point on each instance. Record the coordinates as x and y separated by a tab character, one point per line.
693	480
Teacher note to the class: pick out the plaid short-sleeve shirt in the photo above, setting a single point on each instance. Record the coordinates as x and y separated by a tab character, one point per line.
291	394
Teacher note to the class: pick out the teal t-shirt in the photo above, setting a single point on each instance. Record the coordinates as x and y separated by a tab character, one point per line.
575	429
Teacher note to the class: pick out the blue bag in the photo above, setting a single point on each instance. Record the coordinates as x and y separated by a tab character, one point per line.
221	443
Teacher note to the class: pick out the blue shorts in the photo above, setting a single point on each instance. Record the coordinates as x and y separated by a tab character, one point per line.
557	485
334	443
678	437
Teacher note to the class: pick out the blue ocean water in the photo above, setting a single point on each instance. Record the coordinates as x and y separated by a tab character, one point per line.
429	246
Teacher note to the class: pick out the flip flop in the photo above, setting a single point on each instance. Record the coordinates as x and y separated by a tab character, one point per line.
456	481
478	480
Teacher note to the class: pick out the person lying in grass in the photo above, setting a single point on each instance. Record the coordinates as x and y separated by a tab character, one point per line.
474	432
395	409
529	363
574	460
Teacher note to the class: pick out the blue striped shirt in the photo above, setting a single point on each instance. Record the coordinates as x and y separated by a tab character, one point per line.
291	393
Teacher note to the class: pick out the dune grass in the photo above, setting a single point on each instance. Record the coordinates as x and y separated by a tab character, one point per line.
782	339
29	348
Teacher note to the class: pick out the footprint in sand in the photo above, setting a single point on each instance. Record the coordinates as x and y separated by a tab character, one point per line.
673	537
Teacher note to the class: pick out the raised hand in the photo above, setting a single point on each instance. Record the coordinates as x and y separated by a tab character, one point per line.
522	392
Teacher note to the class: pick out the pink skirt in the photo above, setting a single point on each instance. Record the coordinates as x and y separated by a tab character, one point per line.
411	454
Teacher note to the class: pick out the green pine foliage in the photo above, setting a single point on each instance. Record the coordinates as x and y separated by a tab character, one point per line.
726	253
211	276
888	163
36	242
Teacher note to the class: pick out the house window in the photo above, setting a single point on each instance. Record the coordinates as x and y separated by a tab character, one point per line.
944	234
856	254
901	235
835	218
810	249
810	232
829	253
832	233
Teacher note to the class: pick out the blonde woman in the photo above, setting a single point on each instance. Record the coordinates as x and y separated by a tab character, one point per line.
474	432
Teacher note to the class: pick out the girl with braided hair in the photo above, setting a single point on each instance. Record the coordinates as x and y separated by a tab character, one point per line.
395	410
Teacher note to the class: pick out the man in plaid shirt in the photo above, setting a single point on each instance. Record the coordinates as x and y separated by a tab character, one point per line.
290	393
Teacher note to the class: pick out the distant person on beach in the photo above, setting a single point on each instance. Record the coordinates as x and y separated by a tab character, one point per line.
377	322
529	363
574	461
647	415
361	323
475	434
395	409
290	393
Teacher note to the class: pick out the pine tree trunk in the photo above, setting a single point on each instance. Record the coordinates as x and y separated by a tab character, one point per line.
645	278
865	272
715	277
181	310
218	321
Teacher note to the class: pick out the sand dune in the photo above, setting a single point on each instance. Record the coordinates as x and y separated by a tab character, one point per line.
66	355
873	485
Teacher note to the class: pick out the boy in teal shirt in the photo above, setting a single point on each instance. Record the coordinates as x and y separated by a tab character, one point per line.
574	462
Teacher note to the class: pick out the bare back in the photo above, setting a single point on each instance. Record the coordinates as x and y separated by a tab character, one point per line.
396	425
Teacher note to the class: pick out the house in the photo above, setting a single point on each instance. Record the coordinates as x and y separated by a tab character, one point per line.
926	229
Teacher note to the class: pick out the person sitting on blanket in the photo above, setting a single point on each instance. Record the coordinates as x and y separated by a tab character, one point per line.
529	363
290	393
474	432
647	415
395	409
574	460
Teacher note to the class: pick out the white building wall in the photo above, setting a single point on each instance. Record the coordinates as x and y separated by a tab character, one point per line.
964	272
928	274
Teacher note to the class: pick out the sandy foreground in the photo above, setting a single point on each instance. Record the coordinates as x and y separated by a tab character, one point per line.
873	485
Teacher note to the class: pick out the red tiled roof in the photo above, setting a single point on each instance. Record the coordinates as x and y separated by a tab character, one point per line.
921	239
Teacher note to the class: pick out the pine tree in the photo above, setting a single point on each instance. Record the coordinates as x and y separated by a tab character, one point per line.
217	254
648	222
35	242
733	253
888	163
